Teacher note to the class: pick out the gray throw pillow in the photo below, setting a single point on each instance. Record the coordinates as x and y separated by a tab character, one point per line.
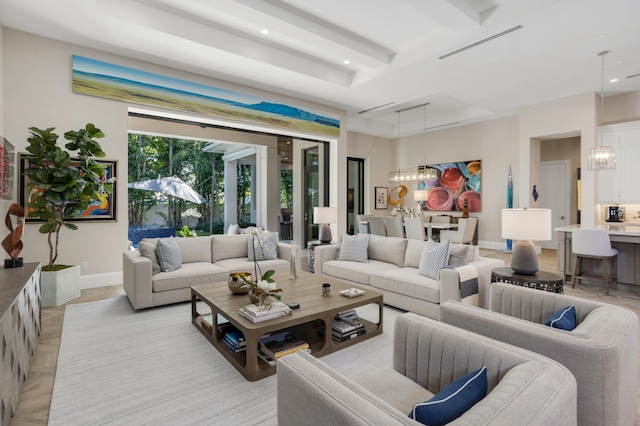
168	253
458	254
355	248
265	246
147	248
434	257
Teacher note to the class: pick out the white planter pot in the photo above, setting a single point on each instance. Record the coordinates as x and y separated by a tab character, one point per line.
59	287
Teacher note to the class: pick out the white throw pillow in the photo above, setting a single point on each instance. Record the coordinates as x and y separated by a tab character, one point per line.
354	248
434	257
264	246
233	229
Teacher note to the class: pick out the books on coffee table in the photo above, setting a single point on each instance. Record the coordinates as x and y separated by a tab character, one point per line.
255	314
280	344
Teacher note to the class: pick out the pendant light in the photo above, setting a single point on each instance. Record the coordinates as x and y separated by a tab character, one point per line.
602	157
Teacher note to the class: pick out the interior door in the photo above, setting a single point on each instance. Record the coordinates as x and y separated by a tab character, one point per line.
554	195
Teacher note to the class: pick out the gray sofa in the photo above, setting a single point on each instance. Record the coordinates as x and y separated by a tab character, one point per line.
524	388
392	269
204	260
601	352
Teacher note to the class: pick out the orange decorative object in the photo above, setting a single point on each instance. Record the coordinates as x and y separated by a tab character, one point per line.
400	191
12	244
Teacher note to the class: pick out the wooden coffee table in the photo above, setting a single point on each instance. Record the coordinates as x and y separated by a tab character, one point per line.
315	313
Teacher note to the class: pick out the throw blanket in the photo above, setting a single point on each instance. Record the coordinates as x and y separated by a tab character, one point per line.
468	283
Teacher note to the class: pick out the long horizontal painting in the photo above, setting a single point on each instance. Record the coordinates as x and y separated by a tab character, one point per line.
451	186
102	79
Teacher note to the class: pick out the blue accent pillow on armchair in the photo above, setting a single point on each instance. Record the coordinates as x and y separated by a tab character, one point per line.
452	401
564	319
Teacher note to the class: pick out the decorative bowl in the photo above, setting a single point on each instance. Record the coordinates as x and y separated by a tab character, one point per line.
235	283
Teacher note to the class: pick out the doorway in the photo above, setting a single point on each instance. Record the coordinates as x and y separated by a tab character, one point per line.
554	195
315	186
355	193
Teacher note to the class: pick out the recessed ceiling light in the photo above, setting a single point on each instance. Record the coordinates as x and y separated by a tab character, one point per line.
288	142
613	80
603	35
346	62
265	31
620	62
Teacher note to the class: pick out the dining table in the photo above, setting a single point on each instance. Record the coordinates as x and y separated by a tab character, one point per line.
428	226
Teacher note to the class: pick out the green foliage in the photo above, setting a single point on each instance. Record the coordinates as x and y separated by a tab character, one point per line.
186	232
64	190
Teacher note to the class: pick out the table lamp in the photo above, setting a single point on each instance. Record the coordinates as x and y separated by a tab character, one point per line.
420	196
526	225
325	216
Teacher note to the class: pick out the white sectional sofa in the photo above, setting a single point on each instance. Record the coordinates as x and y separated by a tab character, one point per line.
203	260
392	269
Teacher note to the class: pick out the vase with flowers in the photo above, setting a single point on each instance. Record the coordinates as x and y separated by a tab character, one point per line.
264	287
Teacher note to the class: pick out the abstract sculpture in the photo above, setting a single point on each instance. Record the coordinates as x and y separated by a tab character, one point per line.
12	244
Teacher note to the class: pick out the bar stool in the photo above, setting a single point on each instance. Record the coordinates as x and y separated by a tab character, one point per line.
593	244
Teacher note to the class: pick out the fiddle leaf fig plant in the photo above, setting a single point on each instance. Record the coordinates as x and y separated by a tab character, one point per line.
64	187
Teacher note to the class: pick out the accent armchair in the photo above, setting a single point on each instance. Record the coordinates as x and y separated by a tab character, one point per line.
523	387
601	352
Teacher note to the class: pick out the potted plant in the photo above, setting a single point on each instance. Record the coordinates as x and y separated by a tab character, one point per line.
65	187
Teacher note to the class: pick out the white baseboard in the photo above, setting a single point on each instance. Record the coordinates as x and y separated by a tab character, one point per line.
494	245
100	280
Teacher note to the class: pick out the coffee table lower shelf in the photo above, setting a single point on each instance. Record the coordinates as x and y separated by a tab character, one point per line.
303	323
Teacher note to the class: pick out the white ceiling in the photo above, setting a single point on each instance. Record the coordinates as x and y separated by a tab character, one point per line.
394	49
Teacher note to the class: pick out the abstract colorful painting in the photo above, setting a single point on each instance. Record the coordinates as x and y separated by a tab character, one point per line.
453	185
102	207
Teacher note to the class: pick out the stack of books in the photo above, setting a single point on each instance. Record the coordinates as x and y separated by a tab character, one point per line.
345	326
280	344
235	340
255	314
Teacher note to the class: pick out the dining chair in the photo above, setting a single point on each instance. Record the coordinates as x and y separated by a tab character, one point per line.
377	226
441	219
363	223
464	233
414	228
394	226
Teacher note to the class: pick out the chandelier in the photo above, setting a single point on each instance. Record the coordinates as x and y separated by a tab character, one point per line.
414	175
602	157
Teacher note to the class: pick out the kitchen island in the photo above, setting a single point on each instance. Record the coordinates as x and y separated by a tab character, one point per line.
624	236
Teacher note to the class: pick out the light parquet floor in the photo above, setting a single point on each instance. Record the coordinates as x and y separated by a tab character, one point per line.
35	399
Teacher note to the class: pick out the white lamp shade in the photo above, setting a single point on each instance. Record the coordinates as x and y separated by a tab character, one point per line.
325	215
420	195
526	224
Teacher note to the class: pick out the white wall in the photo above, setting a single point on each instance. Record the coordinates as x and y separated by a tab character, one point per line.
38	92
4	204
494	142
380	157
574	115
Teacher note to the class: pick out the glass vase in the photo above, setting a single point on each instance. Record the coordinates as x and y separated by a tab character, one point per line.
264	301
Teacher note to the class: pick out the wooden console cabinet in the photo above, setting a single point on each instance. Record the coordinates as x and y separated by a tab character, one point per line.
20	327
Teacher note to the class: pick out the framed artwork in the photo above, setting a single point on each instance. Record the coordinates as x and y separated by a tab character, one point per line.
7	167
381	197
454	186
102	207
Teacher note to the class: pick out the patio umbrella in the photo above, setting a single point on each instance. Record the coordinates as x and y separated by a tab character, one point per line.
170	186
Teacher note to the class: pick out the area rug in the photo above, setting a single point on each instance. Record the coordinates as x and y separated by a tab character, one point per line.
117	366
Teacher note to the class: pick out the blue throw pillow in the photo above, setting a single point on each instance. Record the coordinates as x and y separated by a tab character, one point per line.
564	319
452	401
